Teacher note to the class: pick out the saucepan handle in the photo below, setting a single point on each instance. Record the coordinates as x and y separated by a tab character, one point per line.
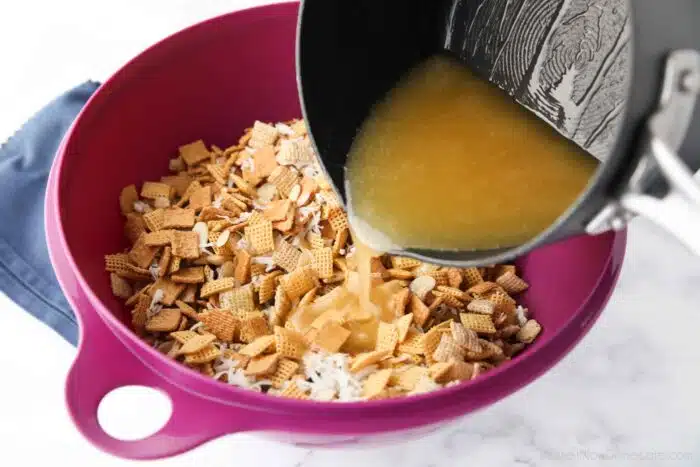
678	212
104	364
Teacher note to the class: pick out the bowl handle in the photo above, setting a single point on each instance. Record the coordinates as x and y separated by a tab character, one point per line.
104	364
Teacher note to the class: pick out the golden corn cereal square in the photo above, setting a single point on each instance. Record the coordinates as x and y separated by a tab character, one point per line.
399	301
482	288
204	355
277	210
338	220
401	262
472	277
447	349
440	277
449	300
154	219
194	153
366	359
175	262
403	324
243	266
464	337
293	391
258	269
187	310
200	198
440	371
289	344
481	324
460	371
430	341
299	281
134	227
285	370
502	301
197	343
268	286
453	292
260	237
401	274
256	217
454	277
292	152
263	134
217	286
482	306
331	337
220	323
120	287
339	241
512	283
412	344
226	301
191	275
284	179
408	379
254	327
183	336
154	190
286	256
218	173
419	310
171	290
166	320
191	188
164	261
283	305
308	297
185	244
529	332
141	254
179	182
387	337
243	298
264	161
298	127
259	346
135	273
323	262
178	218
139	315
127	198
315	240
159	238
375	383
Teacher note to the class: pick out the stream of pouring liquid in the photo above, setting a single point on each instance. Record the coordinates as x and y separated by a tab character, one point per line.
362	304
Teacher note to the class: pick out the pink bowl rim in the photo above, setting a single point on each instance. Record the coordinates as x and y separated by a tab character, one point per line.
254	399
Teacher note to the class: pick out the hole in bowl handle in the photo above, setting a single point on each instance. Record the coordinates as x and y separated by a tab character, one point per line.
103	364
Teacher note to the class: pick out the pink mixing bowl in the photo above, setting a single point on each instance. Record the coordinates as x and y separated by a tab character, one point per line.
211	81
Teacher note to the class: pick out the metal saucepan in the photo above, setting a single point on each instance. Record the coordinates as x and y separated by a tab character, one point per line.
631	71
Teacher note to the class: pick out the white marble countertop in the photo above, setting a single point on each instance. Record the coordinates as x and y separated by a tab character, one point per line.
627	394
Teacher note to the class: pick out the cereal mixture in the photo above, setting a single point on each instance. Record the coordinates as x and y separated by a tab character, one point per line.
242	267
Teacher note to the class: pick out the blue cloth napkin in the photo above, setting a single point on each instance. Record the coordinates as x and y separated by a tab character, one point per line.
26	275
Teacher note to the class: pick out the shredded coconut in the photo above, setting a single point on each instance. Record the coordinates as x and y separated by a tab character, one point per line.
329	373
521	314
141	206
155	306
248	164
154	269
285	130
242	244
